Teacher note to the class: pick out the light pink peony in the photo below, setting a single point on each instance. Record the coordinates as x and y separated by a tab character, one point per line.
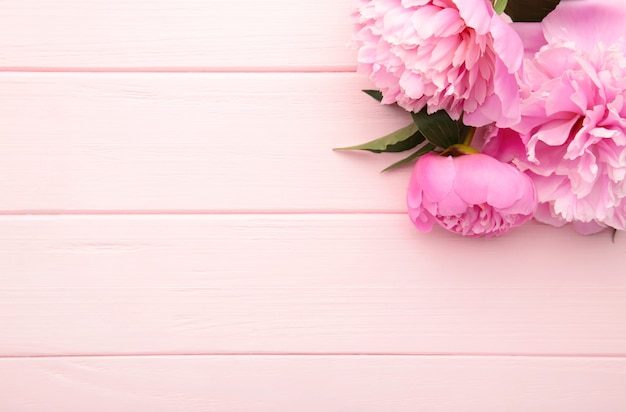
457	55
473	195
572	136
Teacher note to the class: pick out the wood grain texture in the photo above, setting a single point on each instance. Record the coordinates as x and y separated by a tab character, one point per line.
182	35
191	219
259	251
200	142
320	383
302	284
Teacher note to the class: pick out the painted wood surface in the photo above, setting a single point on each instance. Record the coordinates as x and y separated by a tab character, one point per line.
200	142
323	250
176	35
176	233
322	383
301	284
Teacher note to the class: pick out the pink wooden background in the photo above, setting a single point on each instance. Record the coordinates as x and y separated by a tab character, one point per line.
177	235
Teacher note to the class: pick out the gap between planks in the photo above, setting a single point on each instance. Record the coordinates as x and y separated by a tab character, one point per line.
325	355
177	70
171	213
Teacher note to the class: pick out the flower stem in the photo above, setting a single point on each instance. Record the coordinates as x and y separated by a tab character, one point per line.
459	150
469	135
464	148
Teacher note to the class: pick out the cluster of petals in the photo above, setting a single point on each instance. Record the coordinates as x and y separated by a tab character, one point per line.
572	136
472	195
453	55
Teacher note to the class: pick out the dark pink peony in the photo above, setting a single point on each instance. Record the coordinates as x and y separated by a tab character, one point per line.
473	195
457	55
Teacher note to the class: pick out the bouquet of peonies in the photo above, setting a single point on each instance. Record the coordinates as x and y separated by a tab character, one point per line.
518	108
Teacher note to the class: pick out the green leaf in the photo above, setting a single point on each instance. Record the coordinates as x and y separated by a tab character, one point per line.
529	10
427	148
499	6
438	128
377	95
404	139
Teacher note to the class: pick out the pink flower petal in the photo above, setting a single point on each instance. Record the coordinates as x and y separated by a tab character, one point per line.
504	146
488	197
544	214
486	180
507	44
588	228
531	35
586	23
437	184
453	55
451	205
476	14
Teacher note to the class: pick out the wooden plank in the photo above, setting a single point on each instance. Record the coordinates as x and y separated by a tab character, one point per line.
302	284
91	321
223	251
305	383
176	35
209	142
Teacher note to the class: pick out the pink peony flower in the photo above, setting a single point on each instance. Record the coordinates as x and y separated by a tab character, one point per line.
473	195
456	55
572	136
